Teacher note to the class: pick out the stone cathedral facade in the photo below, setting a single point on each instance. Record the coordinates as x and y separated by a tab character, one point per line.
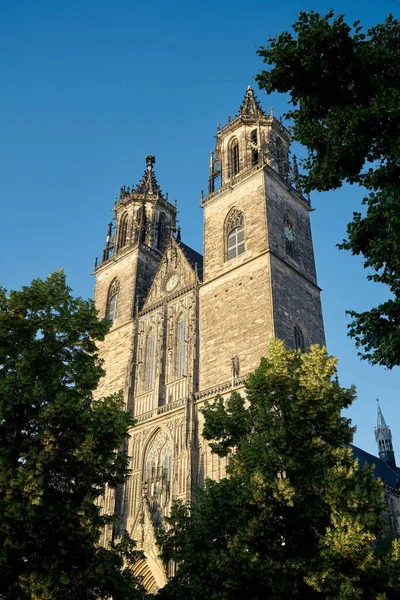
187	327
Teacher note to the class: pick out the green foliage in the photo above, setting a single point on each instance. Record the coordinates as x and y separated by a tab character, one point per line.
297	516
344	87
57	450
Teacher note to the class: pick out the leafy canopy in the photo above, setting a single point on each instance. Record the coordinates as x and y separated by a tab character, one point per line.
297	516
344	88
57	450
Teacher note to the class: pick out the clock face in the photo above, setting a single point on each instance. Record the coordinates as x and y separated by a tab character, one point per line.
172	282
289	233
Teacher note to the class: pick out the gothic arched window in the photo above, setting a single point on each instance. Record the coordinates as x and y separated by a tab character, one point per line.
162	231
235	158
181	348
112	301
288	230
123	231
149	360
299	338
234	232
254	148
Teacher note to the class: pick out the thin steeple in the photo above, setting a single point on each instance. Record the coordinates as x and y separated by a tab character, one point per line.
250	107
383	437
381	423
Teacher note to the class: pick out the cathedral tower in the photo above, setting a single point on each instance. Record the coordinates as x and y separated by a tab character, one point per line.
147	286
383	437
143	221
259	272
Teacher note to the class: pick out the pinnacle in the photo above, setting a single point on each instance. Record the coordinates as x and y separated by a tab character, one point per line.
381	423
148	184
250	106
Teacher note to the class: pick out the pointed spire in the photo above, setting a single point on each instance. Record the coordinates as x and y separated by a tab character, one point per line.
148	184
250	107
381	423
383	437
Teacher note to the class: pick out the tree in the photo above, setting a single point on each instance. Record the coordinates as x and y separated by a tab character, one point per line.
57	450
297	516
344	88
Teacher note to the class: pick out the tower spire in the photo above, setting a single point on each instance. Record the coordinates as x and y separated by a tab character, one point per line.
149	184
383	437
250	107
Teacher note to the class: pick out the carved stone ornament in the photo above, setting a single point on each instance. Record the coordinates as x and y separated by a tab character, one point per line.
235	219
171	282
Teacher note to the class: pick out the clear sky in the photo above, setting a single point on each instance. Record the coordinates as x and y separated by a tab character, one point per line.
89	87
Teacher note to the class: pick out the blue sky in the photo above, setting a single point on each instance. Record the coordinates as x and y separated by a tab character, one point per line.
88	88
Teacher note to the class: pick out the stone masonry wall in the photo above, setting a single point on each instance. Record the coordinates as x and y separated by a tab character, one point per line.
279	199
116	349
235	298
296	301
235	320
295	294
247	196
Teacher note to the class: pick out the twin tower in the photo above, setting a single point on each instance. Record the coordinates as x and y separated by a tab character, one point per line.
187	327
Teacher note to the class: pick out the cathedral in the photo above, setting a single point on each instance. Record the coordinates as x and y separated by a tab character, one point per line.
186	327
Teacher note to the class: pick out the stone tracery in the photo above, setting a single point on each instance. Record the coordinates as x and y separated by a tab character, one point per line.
157	476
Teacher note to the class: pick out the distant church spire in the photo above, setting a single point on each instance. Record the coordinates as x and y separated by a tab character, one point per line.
383	437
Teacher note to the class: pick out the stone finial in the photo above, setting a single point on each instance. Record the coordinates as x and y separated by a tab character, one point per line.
109	232
295	167
150	161
296	174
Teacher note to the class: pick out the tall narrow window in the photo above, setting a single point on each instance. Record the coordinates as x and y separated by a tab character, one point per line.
254	148
112	301
181	347
235	158
123	231
288	230
140	226
149	366
299	339
162	231
234	234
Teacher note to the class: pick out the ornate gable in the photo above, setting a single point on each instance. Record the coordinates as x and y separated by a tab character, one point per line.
180	269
